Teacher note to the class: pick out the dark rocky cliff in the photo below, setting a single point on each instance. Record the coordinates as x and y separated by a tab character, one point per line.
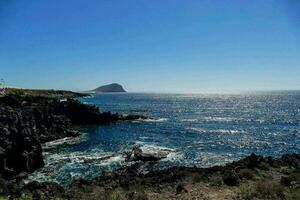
27	121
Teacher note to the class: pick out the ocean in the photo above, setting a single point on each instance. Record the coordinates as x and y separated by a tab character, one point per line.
200	130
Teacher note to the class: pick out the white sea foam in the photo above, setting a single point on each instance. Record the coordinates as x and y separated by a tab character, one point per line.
79	157
153	120
173	156
154	149
222	119
54	163
209	159
118	158
144	138
223	131
189	120
66	140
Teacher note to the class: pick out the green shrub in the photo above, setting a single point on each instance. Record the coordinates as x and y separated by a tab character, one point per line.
3	198
247	174
115	196
25	197
285	170
263	165
16	91
292	194
246	191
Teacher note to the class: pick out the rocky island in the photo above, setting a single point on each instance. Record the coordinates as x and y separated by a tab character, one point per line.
114	87
29	118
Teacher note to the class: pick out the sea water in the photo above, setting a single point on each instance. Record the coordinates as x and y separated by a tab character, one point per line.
200	130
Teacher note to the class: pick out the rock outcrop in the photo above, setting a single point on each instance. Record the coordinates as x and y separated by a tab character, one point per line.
81	114
20	149
27	121
139	154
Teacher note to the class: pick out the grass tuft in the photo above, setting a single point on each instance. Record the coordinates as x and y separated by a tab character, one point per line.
246	191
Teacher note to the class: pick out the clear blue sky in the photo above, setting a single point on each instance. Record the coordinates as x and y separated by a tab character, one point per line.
151	45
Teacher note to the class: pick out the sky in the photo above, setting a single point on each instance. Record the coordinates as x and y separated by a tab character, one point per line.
151	45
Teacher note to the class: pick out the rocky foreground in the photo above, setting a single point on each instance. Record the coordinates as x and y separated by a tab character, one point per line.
253	177
27	121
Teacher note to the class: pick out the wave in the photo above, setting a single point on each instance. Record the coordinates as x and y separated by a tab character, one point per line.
153	120
209	159
80	157
154	149
222	119
63	141
223	131
67	164
189	120
231	119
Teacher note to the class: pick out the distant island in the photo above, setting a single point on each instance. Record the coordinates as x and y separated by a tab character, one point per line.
114	87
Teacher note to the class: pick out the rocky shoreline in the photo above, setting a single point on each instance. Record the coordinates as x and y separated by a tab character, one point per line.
31	118
254	177
27	121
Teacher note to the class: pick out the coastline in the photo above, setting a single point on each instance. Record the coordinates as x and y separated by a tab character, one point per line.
254	177
34	118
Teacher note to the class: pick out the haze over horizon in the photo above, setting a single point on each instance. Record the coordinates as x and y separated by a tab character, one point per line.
151	46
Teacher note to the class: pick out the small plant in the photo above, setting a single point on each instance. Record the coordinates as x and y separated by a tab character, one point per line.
180	188
247	174
292	194
3	198
295	176
141	195
197	178
246	191
264	166
24	197
285	170
216	181
230	178
115	196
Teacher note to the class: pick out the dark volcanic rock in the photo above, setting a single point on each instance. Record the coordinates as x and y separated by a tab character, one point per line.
82	114
28	121
20	149
292	160
25	123
46	190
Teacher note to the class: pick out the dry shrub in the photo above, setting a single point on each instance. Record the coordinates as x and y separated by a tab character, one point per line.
246	191
216	181
269	189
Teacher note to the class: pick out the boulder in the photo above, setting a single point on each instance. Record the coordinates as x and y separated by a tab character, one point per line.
139	153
